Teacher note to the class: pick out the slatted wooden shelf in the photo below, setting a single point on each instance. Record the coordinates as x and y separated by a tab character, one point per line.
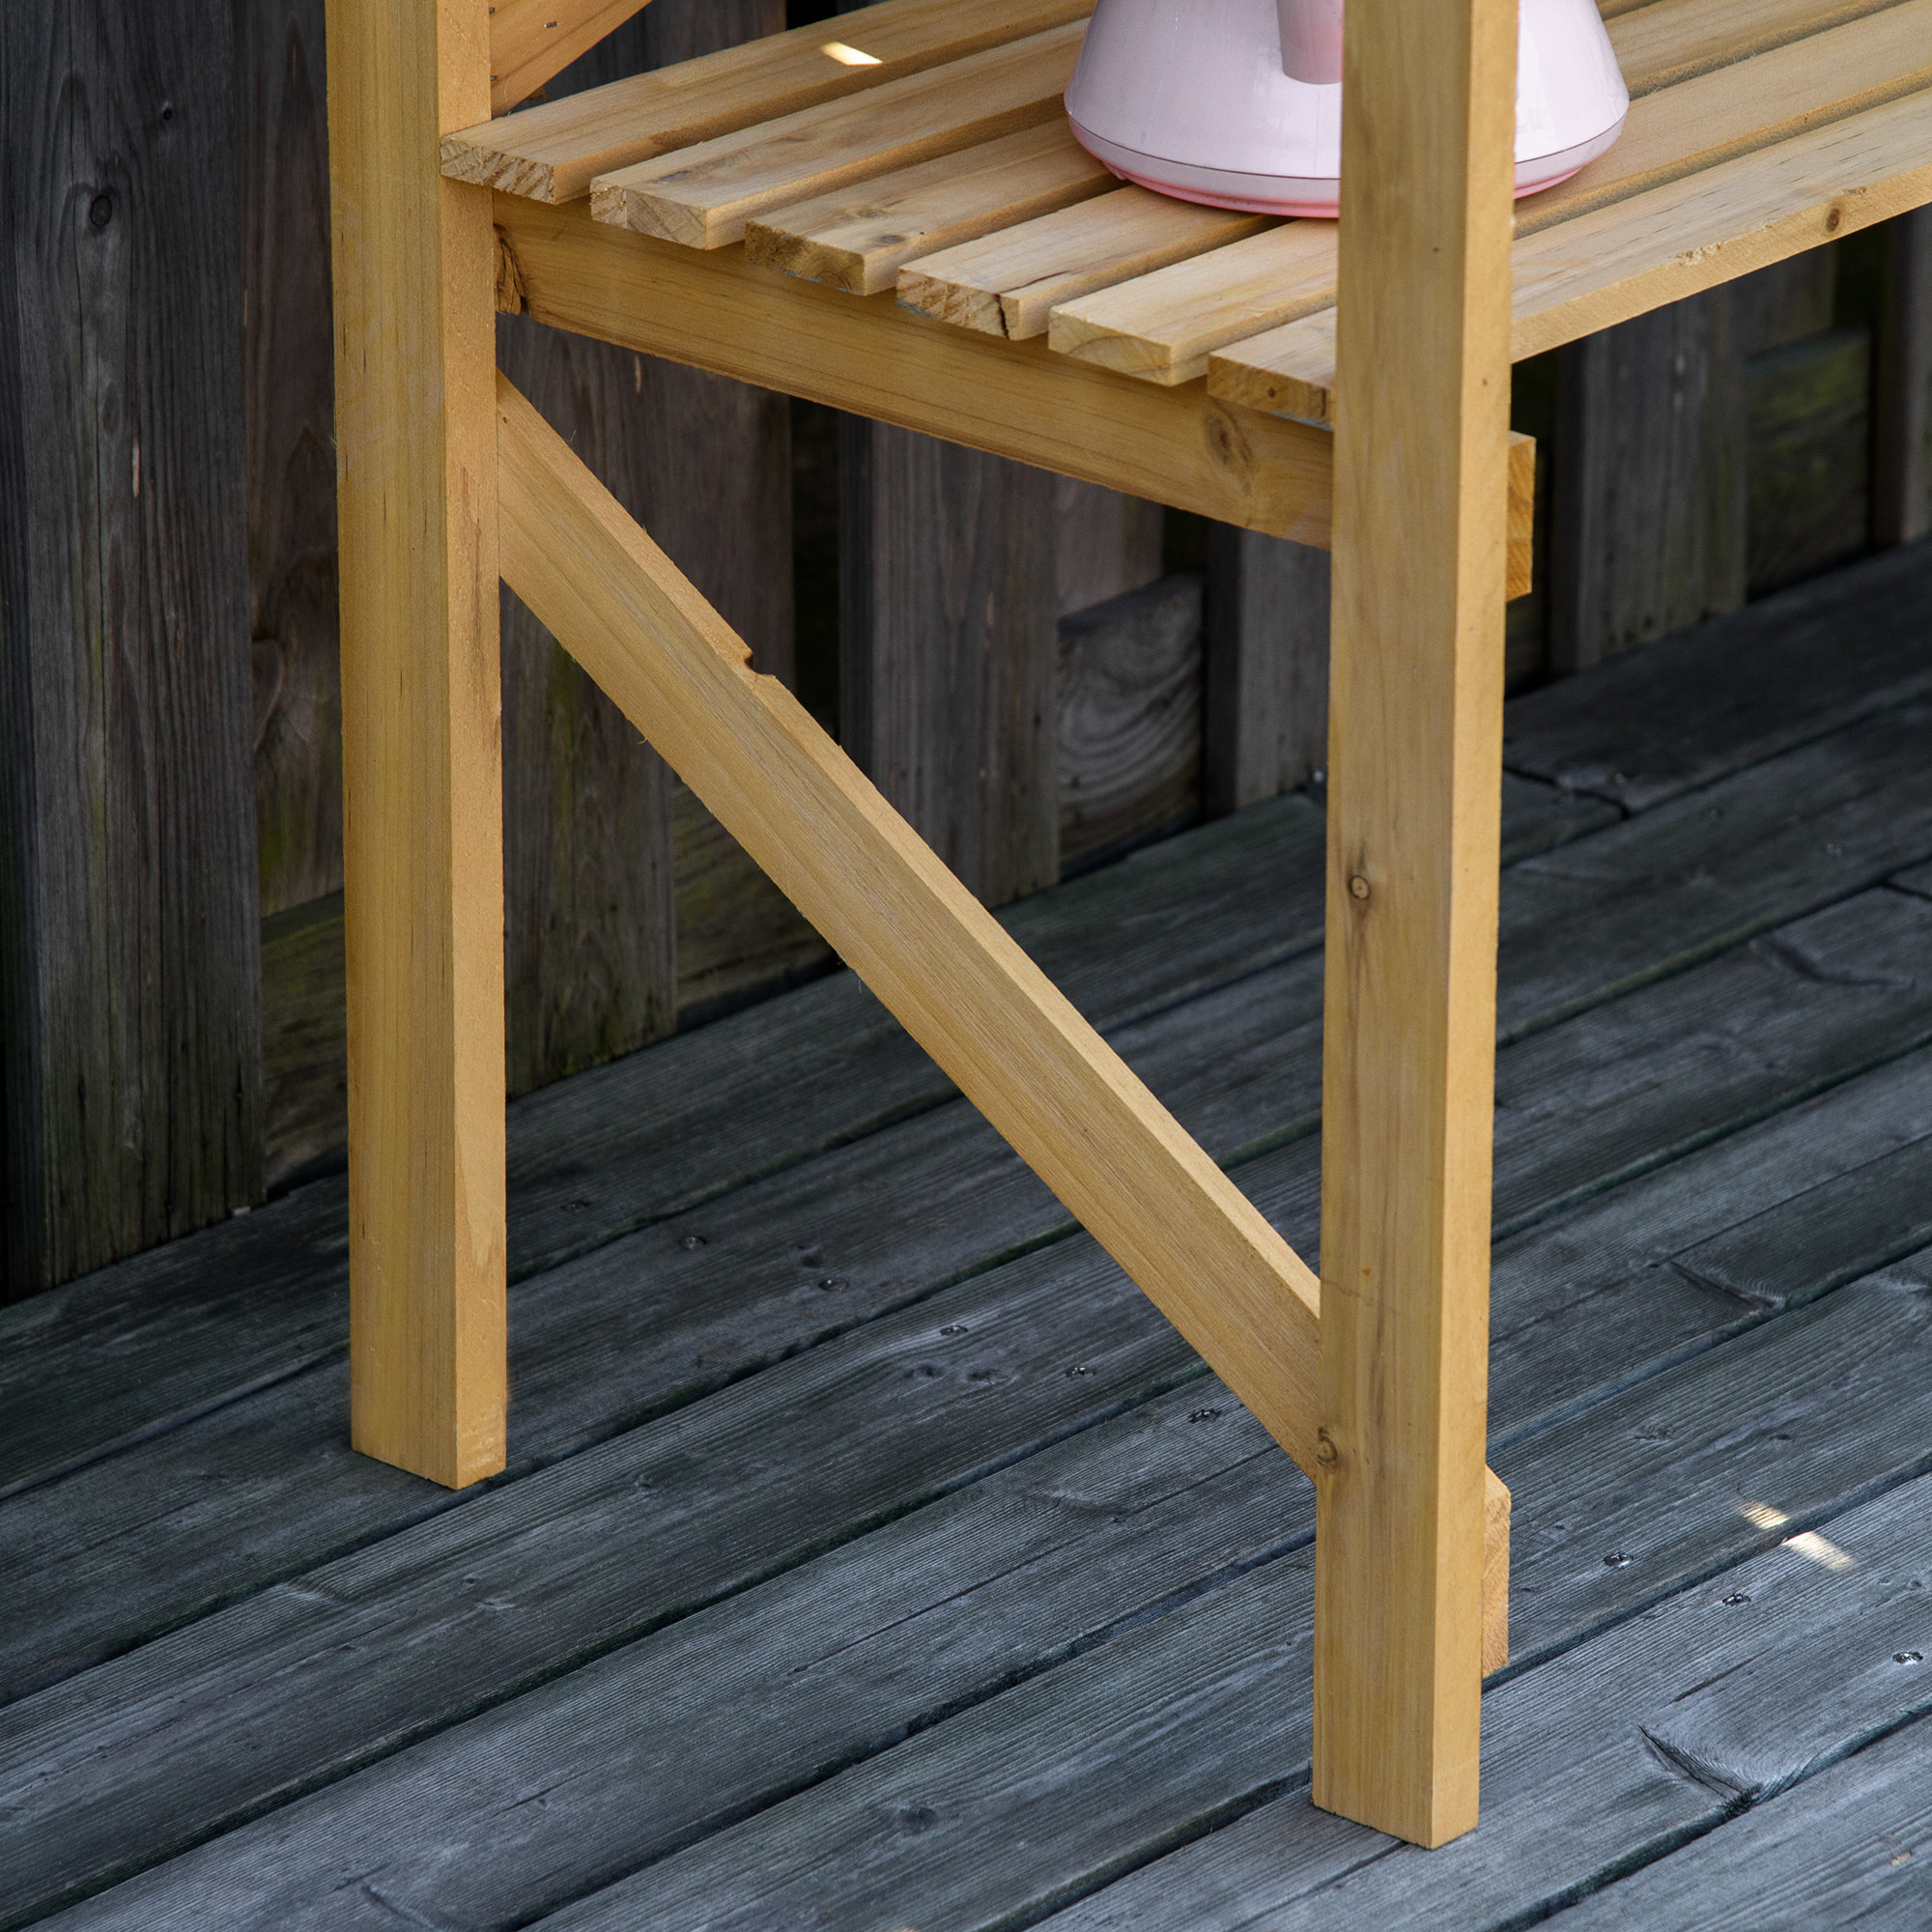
939	168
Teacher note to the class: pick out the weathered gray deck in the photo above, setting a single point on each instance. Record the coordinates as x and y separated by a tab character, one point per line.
874	1557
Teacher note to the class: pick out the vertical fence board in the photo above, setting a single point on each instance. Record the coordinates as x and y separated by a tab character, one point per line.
1649	503
1902	471
949	603
1265	717
288	376
130	924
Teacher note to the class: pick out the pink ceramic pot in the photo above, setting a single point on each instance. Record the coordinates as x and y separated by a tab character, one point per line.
1239	103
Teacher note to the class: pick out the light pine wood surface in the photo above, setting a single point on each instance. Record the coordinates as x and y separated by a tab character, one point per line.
1010	283
1408	1055
1630	257
713	309
856	238
553	152
961	987
532	40
416	438
702	196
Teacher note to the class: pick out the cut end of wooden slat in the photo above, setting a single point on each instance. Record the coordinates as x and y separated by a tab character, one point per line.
948	300
1521	515
471	156
1121	351
1287	372
1495	1572
662	216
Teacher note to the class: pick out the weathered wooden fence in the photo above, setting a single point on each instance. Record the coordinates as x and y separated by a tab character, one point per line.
1041	674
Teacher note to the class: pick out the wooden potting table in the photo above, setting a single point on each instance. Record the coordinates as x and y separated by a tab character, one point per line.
887	214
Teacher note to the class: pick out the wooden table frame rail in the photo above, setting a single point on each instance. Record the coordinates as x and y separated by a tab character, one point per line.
1376	1380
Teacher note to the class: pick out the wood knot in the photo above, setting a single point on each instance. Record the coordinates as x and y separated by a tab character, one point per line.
1359	886
509	279
1325	1451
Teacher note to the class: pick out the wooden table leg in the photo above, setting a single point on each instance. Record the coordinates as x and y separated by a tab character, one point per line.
1421	426
415	261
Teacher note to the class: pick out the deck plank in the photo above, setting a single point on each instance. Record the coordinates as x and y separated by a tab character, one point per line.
202	1320
385	1601
1205	1711
161	1338
1574	1790
1815	824
1848	1847
1741	688
1722	856
415	1829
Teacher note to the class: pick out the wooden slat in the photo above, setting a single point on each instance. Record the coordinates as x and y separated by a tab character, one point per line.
1661	43
551	152
1162	326
1016	1045
856	240
1165	327
1621	260
1008	283
703	195
423	852
532	40
713	310
1408	1062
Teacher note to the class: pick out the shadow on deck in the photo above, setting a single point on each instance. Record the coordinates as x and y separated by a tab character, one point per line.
873	1555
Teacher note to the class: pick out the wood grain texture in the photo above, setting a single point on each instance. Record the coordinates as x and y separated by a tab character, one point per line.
1858	808
1104	543
1659	43
709	1111
1106	1761
1162	326
1414	752
414	272
591	869
1649	496
702	195
1577	1792
289	370
130	1019
1266	702
1902	409
304	1043
1850	1841
1128	761
590	938
1592	271
1743	689
372	1586
713	311
948	601
1808	457
1032	1535
857	239
1155	1201
1007	284
695	1118
553	152
533	40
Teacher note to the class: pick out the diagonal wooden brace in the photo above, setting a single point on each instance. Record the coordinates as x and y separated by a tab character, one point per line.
1013	1043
